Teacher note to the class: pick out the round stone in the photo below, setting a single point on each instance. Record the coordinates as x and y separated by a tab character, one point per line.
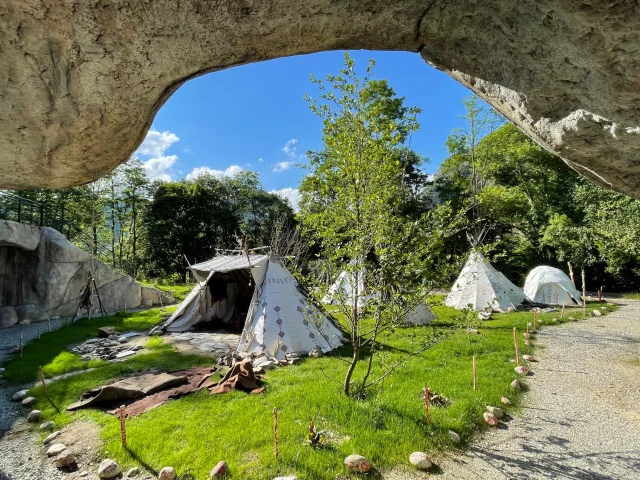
46	425
455	438
497	411
220	470
56	449
51	438
108	469
65	459
515	385
505	401
420	460
167	473
19	396
34	416
554	320
132	472
357	463
521	370
528	358
29	402
490	418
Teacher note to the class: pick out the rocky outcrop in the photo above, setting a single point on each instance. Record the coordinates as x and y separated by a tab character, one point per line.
58	273
81	84
19	235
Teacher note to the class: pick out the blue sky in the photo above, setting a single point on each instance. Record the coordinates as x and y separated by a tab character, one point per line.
254	117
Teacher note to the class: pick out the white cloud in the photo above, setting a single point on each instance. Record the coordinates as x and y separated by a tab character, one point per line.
282	166
290	194
187	150
157	167
290	148
156	143
431	177
260	160
228	172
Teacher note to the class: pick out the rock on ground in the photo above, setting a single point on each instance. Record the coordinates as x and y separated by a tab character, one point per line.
167	473
581	417
108	469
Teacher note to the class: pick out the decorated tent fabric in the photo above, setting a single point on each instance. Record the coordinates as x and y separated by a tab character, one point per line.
481	287
421	314
550	286
283	319
341	292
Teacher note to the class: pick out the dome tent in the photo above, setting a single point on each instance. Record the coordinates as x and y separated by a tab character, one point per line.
550	286
280	316
481	287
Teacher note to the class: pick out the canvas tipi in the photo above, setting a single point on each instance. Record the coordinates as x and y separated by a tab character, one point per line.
341	292
481	287
421	314
280	318
550	286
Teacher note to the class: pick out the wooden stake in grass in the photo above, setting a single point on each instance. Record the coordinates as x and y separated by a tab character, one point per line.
600	294
515	344
562	313
275	432
475	377
427	400
123	426
44	384
535	318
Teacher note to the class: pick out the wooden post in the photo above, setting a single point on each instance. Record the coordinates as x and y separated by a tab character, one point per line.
528	334
562	313
44	384
584	294
515	345
475	378
535	318
427	399
275	432
571	275
600	294
123	426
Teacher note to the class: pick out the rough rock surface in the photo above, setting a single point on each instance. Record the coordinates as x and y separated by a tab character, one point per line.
48	281
8	316
80	86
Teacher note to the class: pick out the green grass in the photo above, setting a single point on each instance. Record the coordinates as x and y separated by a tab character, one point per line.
193	433
50	350
631	295
178	291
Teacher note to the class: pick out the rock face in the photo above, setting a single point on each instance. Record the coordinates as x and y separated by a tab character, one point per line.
48	280
81	89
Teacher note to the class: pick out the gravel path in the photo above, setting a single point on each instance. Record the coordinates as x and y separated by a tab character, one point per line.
10	336
581	416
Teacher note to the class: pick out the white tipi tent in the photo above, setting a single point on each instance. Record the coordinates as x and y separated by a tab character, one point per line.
550	286
481	287
342	290
421	314
280	317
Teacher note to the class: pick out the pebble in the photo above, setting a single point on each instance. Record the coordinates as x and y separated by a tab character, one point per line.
132	472
596	313
46	425
34	416
56	449
420	460
515	385
455	438
51	437
497	411
521	370
490	418
220	470
527	342
528	358
572	319
357	463
108	469
554	320
19	396
167	473
29	402
505	401
65	459
472	331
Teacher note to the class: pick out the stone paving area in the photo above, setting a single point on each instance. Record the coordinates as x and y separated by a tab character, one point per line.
216	343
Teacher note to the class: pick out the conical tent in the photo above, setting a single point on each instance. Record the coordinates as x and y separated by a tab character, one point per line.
550	286
341	292
481	287
280	317
421	314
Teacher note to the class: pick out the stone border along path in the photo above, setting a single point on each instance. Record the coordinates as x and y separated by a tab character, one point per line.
581	416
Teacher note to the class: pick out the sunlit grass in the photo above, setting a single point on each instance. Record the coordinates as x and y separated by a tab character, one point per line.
193	433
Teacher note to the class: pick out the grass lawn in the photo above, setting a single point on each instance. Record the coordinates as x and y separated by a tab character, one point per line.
49	351
193	433
179	291
631	295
